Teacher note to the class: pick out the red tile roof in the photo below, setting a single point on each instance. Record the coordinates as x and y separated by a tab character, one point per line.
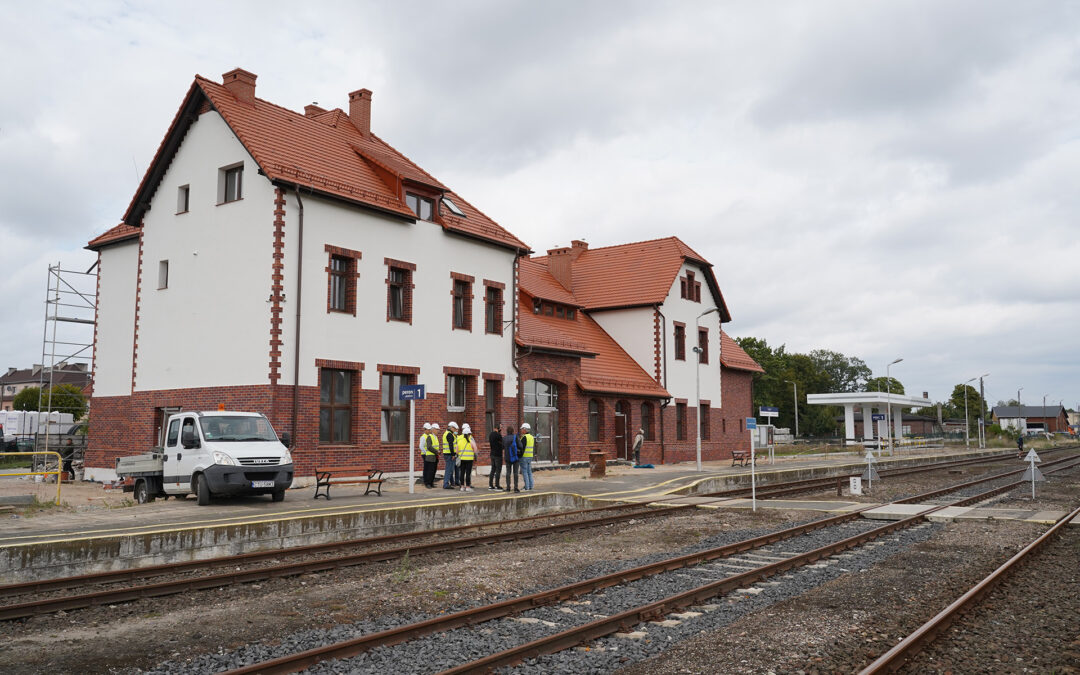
121	232
542	285
733	356
605	366
635	274
326	154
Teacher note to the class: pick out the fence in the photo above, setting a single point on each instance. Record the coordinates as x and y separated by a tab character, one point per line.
45	469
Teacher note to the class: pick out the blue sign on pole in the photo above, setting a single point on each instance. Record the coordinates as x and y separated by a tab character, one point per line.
877	417
770	411
751	423
411	392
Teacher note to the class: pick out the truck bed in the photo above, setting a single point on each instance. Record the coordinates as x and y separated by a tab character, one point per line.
148	463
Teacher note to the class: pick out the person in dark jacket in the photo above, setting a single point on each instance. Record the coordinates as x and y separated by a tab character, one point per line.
511	457
496	442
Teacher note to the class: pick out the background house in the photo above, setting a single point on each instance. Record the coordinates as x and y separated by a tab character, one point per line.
17	379
1032	417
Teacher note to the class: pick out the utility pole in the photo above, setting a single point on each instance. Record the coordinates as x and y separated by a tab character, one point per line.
982	410
796	385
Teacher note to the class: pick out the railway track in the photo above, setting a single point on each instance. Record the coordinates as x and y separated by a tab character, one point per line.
134	591
720	561
938	626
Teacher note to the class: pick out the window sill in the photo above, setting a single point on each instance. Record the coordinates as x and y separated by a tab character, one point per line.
455	409
338	446
230	202
180	213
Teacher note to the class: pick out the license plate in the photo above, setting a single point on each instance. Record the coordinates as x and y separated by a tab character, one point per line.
262	483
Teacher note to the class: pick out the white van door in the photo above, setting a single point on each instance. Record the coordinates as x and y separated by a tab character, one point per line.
178	459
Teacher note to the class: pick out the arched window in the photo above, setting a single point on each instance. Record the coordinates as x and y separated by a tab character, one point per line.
594	420
647	420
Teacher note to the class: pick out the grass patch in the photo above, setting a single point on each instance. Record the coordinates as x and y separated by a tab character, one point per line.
17	462
404	570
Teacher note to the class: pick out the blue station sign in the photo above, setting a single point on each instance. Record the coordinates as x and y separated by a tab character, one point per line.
411	392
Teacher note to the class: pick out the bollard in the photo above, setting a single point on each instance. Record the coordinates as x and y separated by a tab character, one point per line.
597	465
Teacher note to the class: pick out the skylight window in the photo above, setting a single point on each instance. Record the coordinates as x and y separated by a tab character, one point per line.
453	207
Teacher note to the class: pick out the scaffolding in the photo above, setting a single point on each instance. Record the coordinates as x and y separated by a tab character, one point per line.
67	344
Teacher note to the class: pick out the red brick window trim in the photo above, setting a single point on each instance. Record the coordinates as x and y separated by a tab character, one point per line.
689	288
339	365
399	290
468	372
703	344
400	370
494	376
341	270
493	307
680	341
682	400
706	401
461	301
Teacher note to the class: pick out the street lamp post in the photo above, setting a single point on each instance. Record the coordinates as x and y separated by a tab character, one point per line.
967	425
1046	423
697	373
1020	412
982	411
888	407
796	385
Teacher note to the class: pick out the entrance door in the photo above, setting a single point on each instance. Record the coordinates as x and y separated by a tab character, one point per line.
622	444
159	426
542	414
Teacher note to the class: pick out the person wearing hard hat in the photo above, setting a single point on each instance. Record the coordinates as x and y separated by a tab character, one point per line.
448	440
466	450
527	445
429	444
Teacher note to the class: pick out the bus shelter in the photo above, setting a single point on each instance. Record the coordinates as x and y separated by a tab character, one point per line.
871	402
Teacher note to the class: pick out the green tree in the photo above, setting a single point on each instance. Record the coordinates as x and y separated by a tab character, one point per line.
879	384
27	399
955	407
65	398
845	373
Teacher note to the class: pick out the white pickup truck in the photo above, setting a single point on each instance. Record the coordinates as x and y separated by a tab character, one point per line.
212	453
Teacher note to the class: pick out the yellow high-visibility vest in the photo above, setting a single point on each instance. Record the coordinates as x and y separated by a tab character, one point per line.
432	444
447	444
530	443
464	449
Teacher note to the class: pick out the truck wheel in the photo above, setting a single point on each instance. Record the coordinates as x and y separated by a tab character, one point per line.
278	495
202	490
142	493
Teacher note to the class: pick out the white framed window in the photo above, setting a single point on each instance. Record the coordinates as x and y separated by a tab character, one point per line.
183	194
455	393
163	274
230	183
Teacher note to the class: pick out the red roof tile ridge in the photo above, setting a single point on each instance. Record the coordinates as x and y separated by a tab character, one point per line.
120	232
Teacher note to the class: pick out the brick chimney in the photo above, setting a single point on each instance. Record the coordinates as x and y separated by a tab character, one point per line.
240	84
360	111
577	247
313	110
561	265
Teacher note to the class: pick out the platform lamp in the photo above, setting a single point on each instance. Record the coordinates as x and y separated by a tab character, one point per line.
888	407
1020	412
967	425
697	372
1046	423
796	385
982	411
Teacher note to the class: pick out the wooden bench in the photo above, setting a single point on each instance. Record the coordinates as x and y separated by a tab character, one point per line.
339	475
741	457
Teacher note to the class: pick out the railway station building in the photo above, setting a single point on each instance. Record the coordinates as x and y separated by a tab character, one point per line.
298	265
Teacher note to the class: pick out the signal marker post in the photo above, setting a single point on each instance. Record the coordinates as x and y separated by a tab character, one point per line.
410	393
1032	472
751	426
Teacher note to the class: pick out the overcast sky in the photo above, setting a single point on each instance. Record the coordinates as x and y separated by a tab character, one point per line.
883	179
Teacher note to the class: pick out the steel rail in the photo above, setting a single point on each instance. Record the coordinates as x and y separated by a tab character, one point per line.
904	650
301	660
138	573
807	484
655	610
987	479
44	606
296	662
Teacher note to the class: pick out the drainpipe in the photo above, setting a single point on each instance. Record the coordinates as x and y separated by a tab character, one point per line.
299	295
514	356
663	370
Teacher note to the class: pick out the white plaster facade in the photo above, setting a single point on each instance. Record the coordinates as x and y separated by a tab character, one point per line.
115	319
210	326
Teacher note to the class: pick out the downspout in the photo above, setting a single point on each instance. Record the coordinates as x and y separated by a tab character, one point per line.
514	356
299	295
663	370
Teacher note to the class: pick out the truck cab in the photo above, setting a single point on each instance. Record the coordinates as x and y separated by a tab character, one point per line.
224	453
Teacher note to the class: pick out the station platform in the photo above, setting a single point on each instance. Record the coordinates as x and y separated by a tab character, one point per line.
103	529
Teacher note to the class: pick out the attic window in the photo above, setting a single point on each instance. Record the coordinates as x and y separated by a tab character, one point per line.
453	207
230	183
421	206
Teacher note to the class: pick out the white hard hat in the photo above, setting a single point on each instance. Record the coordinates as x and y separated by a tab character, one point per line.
452	425
427	425
526	426
434	425
466	429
